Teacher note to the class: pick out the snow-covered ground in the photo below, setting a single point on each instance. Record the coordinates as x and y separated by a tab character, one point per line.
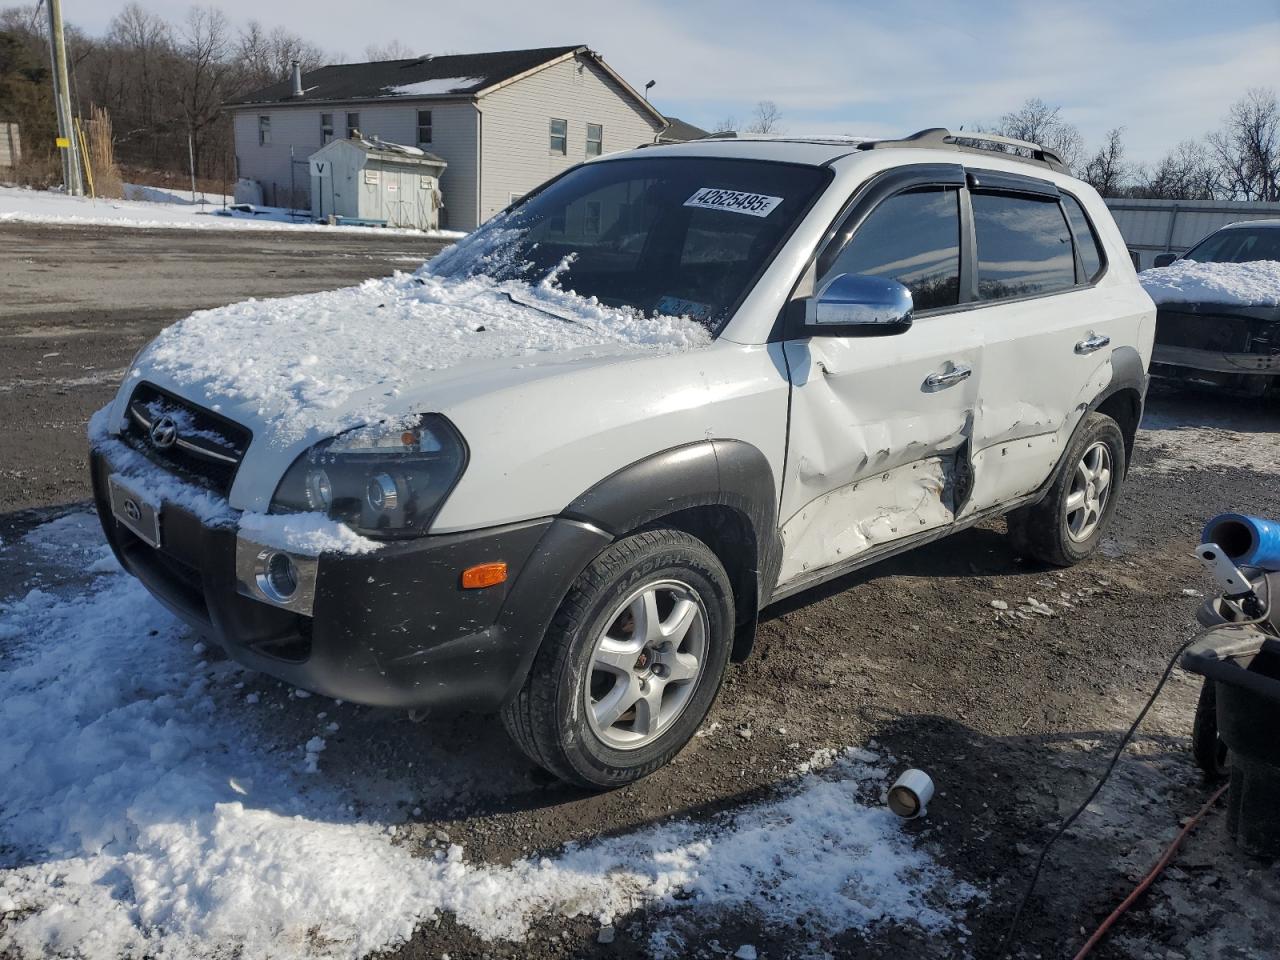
18	204
1185	281
144	812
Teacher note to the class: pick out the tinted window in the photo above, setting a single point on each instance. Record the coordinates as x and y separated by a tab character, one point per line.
1024	246
1238	245
1086	241
913	238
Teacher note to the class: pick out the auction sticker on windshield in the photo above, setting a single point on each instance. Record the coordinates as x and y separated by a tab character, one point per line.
734	201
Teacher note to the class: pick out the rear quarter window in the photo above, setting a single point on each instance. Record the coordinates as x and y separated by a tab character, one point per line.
1090	250
1024	246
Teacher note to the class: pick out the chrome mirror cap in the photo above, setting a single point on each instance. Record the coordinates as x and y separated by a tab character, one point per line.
855	300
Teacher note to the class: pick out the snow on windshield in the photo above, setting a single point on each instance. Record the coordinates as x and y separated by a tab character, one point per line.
303	360
1256	283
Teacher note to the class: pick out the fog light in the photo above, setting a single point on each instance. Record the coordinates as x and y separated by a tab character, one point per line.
278	578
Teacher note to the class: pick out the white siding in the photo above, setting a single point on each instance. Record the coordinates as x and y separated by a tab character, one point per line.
453	140
515	128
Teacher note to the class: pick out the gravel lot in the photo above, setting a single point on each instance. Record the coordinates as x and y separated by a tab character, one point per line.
1012	713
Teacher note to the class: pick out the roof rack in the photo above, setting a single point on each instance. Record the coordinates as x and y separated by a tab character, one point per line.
972	141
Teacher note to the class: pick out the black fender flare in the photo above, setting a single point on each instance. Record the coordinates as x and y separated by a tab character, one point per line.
1128	373
725	473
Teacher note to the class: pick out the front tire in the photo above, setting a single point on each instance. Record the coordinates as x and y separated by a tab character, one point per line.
631	663
1068	524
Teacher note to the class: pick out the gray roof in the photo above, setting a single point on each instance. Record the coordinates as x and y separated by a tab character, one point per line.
678	131
448	76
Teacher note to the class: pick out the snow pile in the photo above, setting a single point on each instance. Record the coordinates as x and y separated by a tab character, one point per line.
1185	281
318	363
141	814
21	205
426	88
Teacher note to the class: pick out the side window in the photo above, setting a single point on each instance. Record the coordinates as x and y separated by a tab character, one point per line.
326	128
1024	246
264	131
1086	240
913	238
424	128
595	139
353	124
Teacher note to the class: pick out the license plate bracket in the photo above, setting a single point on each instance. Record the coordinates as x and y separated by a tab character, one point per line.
133	512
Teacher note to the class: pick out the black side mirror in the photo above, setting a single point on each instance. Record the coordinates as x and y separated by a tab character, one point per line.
858	305
1164	259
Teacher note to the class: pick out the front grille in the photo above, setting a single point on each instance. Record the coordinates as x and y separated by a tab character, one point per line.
1206	331
195	443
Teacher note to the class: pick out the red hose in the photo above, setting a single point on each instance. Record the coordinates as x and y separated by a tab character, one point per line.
1164	861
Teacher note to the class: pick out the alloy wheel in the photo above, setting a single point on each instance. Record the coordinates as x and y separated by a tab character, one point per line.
1090	489
645	666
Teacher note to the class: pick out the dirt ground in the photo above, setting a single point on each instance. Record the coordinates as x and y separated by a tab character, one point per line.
1013	713
76	303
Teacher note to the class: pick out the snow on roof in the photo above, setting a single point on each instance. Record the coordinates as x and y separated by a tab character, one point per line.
439	86
327	361
1248	284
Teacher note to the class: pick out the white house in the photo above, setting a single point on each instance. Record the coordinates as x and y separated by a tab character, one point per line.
503	122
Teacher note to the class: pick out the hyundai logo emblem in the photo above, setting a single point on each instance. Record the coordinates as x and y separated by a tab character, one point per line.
133	511
164	433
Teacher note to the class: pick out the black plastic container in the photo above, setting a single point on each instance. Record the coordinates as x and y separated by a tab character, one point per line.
1243	664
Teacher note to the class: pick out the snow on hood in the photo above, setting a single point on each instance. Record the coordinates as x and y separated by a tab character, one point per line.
320	363
1248	284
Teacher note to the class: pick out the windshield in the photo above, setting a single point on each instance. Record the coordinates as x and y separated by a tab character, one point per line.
1237	245
683	236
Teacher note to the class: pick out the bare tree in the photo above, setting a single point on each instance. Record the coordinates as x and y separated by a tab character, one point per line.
728	125
766	118
395	50
204	70
1040	123
1186	172
1247	148
266	58
1106	170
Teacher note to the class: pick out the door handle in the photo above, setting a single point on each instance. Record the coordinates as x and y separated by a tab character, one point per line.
940	381
1091	343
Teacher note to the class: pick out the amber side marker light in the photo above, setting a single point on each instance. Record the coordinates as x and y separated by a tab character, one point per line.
484	575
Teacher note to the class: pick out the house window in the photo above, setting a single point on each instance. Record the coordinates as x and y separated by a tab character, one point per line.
326	128
595	139
424	127
264	131
353	124
560	137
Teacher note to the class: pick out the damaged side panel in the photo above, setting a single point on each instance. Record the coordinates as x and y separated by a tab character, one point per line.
851	519
876	452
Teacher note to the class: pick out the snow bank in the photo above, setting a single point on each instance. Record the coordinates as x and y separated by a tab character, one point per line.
141	813
302	360
20	205
1186	281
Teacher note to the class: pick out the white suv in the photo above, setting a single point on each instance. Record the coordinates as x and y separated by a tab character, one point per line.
818	354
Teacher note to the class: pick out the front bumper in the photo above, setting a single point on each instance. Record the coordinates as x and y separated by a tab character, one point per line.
391	628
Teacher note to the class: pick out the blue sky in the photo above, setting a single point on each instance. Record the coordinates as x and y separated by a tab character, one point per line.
1163	70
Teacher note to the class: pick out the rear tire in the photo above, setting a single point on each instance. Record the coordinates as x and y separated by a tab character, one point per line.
1068	524
631	663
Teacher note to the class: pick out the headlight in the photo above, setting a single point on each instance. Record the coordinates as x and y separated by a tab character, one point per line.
383	480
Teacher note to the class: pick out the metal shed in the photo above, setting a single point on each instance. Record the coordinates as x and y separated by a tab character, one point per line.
1173	226
377	182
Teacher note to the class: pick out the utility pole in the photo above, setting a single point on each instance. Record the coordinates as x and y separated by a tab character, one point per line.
62	96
